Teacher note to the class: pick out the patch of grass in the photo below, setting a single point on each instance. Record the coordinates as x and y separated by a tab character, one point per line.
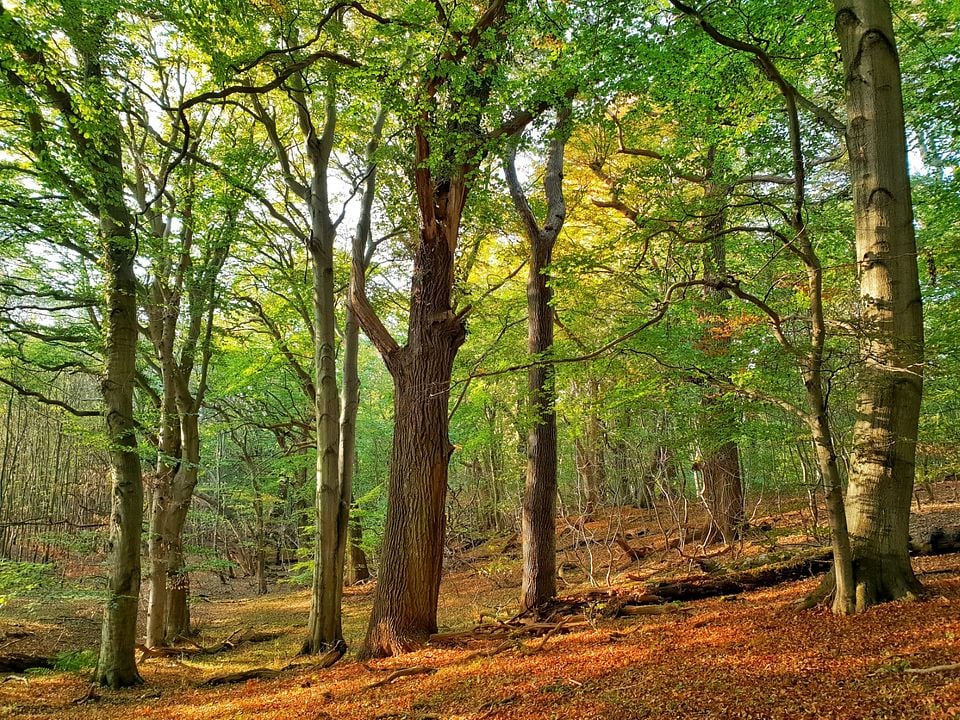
75	660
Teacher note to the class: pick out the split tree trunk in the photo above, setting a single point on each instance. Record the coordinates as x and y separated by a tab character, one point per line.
405	605
538	529
891	378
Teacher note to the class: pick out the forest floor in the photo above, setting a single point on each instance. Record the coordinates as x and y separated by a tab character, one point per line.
754	655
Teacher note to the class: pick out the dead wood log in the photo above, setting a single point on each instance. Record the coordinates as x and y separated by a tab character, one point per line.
261	673
797	568
18	662
939	541
632	610
402	672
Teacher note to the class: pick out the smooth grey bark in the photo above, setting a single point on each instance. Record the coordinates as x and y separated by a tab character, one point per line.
890	382
325	625
183	355
101	159
538	529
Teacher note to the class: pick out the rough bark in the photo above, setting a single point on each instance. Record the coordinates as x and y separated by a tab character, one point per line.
891	376
405	604
723	491
538	528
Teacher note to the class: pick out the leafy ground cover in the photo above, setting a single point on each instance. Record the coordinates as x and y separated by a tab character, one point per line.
755	655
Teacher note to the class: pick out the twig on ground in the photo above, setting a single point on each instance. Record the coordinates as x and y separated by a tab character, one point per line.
402	672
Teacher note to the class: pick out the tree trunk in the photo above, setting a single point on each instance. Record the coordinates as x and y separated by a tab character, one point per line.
405	605
177	621
325	624
358	569
723	491
538	526
720	465
117	666
891	378
591	467
161	491
360	261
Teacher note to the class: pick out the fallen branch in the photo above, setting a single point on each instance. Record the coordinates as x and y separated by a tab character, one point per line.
632	552
545	639
237	677
402	672
934	669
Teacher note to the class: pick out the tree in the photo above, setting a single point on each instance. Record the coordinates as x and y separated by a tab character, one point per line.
449	143
539	583
891	376
70	92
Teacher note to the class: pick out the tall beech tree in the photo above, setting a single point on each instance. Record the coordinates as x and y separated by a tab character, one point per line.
890	382
538	533
335	415
64	95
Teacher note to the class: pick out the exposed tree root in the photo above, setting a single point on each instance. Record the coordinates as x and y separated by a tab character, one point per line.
91	695
233	641
402	672
325	661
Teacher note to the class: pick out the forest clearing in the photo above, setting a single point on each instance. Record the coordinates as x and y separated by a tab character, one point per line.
747	655
430	359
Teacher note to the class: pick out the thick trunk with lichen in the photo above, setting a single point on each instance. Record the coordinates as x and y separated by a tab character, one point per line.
891	375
